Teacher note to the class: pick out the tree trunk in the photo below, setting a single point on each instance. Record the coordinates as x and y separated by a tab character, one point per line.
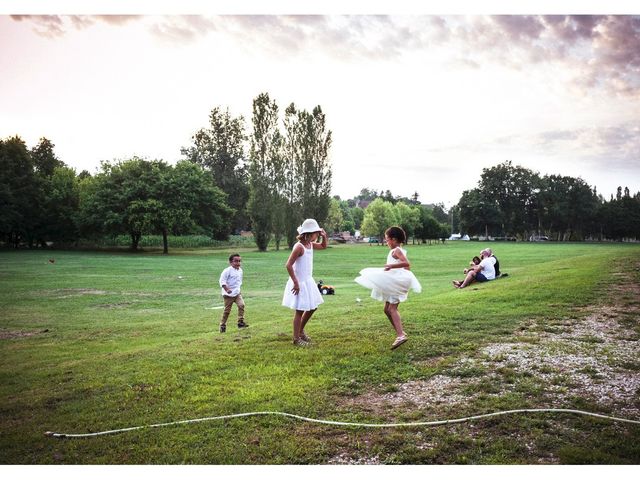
165	242
135	240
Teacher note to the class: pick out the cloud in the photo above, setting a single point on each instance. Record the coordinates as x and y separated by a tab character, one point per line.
602	51
52	26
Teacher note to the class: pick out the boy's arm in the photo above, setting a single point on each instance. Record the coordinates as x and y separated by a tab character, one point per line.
223	280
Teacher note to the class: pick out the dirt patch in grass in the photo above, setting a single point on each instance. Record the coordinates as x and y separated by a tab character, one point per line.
593	359
76	292
11	334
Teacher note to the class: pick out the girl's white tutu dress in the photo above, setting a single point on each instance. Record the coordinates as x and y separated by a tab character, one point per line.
308	297
392	285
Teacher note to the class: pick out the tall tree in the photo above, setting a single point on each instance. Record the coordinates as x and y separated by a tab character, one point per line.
307	167
21	194
44	158
219	149
265	172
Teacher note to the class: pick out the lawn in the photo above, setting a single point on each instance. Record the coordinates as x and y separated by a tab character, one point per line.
95	341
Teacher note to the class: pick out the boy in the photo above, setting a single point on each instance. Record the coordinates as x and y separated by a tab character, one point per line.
230	282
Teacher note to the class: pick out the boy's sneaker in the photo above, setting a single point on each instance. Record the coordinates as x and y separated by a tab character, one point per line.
223	328
300	343
304	337
242	324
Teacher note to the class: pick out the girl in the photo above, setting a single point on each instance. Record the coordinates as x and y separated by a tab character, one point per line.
391	283
301	292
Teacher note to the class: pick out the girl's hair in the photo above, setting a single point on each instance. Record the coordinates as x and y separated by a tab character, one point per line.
304	237
476	260
397	233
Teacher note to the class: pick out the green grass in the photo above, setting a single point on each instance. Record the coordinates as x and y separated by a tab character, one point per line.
98	341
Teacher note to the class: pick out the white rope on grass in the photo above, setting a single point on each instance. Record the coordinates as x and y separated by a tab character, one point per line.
347	424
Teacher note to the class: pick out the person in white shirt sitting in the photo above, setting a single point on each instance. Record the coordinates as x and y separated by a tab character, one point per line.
483	272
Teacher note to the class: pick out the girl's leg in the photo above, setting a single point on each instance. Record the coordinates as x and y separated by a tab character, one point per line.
305	318
297	324
387	312
396	321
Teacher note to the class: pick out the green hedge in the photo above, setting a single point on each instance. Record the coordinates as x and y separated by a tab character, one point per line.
185	241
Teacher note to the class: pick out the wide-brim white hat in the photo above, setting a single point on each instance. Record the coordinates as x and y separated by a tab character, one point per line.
309	226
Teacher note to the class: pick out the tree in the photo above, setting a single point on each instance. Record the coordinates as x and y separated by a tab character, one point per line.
21	194
378	216
44	158
139	197
193	204
357	214
479	213
61	205
266	175
219	149
429	228
307	167
308	142
335	216
408	218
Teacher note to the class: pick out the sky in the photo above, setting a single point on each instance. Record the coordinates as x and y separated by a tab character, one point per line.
415	102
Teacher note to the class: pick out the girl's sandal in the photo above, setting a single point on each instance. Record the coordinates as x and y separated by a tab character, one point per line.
399	341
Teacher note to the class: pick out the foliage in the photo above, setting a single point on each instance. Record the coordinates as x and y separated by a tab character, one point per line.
514	201
219	149
335	218
429	228
408	218
139	197
176	241
378	216
290	173
264	171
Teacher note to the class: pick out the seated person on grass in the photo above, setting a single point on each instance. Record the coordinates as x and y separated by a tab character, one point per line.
474	261
483	272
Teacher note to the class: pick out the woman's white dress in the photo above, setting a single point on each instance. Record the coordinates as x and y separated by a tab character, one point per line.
309	296
392	285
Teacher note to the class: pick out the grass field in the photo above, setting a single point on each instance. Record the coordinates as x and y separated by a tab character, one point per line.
100	341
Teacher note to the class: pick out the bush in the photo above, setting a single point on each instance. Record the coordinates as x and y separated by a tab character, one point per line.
185	241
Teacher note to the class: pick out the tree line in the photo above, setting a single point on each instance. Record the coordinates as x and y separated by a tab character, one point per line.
268	180
512	201
216	189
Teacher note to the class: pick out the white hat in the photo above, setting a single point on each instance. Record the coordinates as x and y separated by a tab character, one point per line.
309	226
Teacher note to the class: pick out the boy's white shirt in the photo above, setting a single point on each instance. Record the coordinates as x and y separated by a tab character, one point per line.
232	278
